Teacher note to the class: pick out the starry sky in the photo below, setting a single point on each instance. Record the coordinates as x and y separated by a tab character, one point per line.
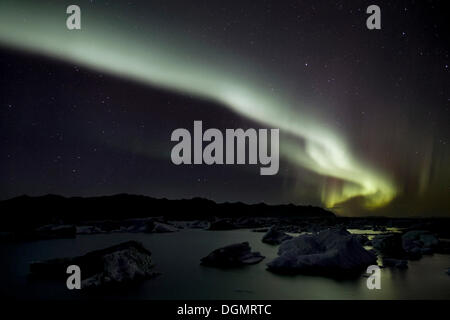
363	114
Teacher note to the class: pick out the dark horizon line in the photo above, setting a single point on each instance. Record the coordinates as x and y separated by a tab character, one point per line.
142	196
290	204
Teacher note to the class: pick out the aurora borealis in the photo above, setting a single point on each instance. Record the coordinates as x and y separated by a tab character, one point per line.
363	115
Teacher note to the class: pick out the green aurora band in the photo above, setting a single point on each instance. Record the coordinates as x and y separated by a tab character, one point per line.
158	58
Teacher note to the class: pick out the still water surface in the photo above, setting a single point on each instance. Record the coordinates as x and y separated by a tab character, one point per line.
177	256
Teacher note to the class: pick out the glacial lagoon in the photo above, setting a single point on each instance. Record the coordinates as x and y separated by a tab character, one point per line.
177	257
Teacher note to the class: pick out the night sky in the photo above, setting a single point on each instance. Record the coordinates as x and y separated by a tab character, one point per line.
363	114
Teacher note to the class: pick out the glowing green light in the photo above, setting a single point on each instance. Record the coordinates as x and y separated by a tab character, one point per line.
167	64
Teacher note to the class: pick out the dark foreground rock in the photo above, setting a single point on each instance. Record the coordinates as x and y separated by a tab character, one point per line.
419	242
234	255
117	265
443	247
222	224
395	263
89	230
389	245
363	239
197	224
275	236
163	228
250	222
329	252
55	231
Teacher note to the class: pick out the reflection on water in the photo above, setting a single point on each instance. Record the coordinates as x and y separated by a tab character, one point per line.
177	257
375	232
